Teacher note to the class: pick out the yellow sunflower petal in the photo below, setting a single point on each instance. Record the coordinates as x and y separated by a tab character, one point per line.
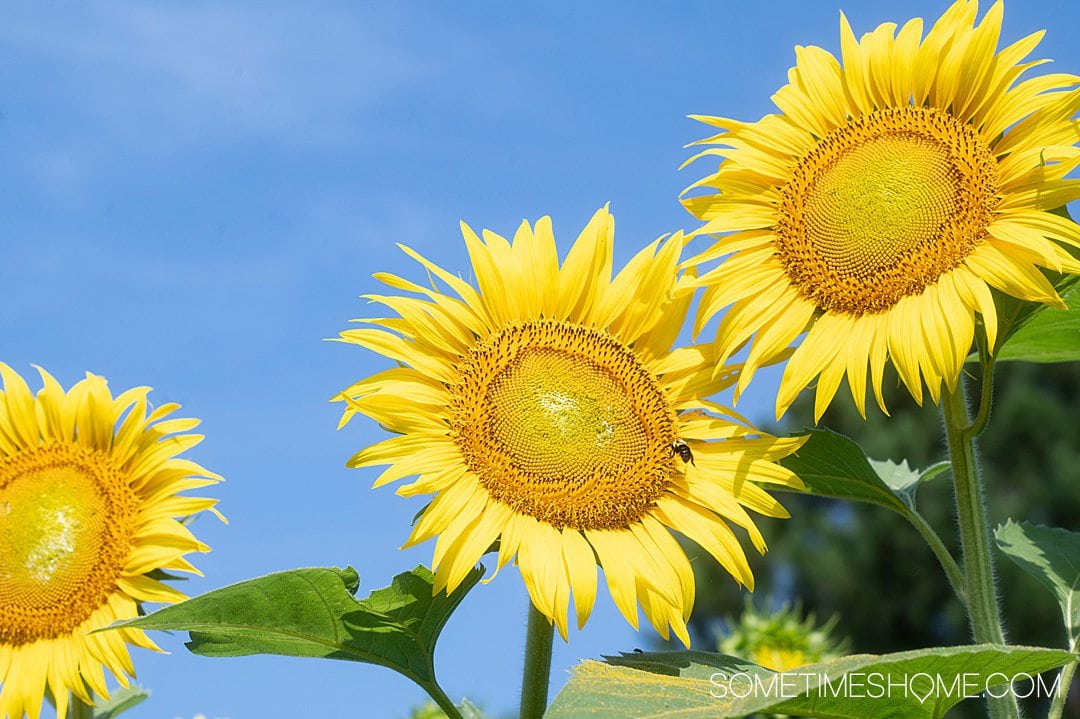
580	565
587	268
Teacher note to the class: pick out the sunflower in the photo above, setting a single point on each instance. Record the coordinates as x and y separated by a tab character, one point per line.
877	211
783	639
545	409
89	488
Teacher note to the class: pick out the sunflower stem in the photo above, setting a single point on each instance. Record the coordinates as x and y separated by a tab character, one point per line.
980	590
986	392
534	683
1057	707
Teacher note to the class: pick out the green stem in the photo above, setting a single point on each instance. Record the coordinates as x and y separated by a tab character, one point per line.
77	709
534	683
986	392
449	709
1062	694
980	591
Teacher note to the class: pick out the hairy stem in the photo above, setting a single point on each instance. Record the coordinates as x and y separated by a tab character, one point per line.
986	392
534	683
1057	707
980	590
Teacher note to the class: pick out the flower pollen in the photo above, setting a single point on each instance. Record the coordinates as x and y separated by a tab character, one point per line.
883	206
562	422
66	522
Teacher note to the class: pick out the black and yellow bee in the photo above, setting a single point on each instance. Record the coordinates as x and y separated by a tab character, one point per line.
682	449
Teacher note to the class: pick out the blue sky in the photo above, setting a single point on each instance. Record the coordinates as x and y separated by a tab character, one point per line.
194	195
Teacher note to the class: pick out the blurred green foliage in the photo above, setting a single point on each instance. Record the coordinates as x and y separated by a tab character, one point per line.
430	710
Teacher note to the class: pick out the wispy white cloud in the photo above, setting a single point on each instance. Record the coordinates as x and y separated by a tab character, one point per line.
107	82
190	68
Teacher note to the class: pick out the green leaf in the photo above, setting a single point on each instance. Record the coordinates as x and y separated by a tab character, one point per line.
313	613
120	701
921	684
900	478
934	471
831	465
1052	556
470	711
903	480
1050	335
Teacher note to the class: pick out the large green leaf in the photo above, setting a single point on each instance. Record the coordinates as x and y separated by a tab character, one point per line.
1051	335
1052	556
313	613
921	684
831	465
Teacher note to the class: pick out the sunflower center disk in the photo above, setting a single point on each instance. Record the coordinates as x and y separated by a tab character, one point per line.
563	423
65	529
558	414
883	207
